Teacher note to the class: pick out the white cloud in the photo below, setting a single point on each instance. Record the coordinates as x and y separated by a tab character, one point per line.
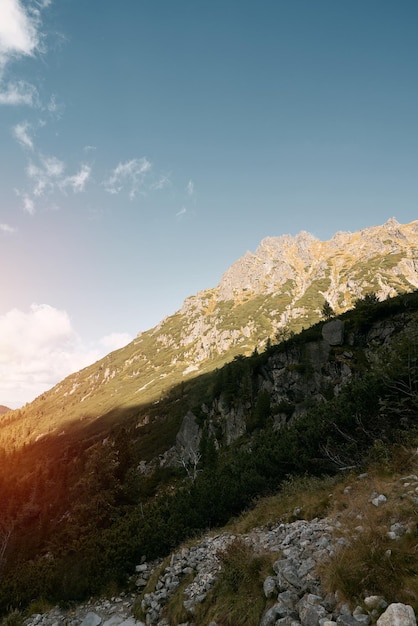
38	348
28	204
161	183
114	341
46	175
18	92
18	31
129	174
182	212
20	131
190	188
54	168
54	107
79	180
20	36
5	228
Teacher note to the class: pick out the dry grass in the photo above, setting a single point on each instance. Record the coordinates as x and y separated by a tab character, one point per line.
237	598
175	609
370	562
298	498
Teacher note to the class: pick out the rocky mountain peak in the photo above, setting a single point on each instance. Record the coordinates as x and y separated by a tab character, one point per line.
304	258
280	287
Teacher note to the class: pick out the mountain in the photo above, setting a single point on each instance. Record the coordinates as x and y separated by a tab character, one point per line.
4	409
282	287
103	492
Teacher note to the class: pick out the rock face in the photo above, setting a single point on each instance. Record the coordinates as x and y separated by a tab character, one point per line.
295	379
333	332
188	438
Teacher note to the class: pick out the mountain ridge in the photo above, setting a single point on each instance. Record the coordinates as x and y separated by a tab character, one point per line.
280	288
106	490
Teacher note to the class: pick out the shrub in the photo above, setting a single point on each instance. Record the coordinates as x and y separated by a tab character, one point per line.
14	618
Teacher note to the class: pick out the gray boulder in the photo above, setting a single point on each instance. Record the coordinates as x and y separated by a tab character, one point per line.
398	614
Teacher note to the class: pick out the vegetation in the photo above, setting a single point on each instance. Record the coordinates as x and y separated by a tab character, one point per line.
79	513
237	598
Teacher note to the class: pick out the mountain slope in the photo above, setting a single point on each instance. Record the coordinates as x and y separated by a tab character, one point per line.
282	286
80	514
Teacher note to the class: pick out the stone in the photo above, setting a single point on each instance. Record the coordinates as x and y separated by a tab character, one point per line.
379	500
91	619
130	621
269	586
288	599
288	620
310	611
397	614
114	620
347	620
271	616
375	602
141	568
398	529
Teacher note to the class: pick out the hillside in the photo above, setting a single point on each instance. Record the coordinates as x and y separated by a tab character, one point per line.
281	288
89	495
80	513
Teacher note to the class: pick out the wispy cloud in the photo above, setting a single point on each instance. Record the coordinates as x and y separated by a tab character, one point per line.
130	175
46	175
182	212
18	92
161	183
78	181
28	204
190	188
21	132
5	228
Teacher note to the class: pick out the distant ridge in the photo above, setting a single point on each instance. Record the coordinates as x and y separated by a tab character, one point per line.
4	409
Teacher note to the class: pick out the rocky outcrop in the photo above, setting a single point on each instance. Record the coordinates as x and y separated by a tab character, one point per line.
188	438
300	376
333	332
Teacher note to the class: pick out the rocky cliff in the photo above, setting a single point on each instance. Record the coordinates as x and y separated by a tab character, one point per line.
281	287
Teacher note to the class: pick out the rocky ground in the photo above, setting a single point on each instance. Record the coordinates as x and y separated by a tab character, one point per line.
294	591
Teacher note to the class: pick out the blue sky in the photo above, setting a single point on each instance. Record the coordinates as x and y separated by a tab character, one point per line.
146	145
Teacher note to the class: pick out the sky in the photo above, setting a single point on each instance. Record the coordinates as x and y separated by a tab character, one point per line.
146	145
